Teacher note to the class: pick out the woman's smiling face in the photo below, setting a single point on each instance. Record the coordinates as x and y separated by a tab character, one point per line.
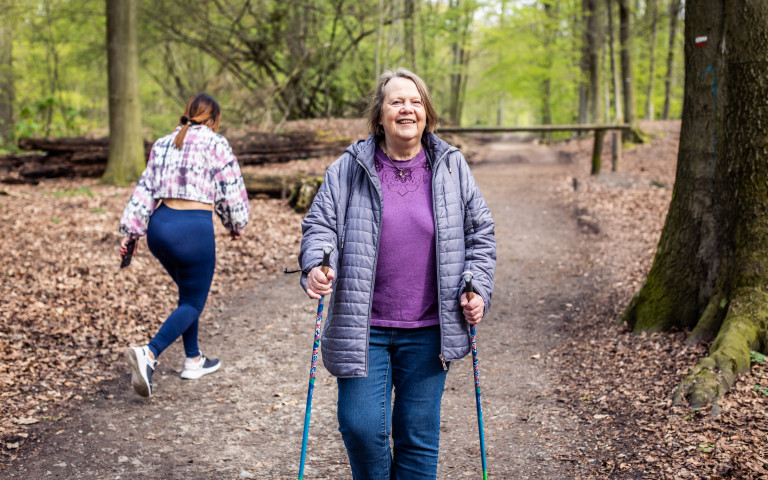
403	116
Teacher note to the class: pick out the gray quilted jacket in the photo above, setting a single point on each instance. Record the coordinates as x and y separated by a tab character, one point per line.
347	214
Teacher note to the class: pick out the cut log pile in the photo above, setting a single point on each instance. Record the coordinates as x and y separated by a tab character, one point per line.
87	157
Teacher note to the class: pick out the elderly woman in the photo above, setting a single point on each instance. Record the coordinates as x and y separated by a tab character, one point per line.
407	218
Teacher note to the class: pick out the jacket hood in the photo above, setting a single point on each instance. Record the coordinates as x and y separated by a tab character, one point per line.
365	148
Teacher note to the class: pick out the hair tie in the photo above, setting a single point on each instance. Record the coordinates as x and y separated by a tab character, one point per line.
184	120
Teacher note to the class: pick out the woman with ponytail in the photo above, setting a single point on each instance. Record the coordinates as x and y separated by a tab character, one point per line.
190	173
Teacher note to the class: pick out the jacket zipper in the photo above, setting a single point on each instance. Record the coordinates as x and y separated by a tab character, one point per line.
375	263
437	253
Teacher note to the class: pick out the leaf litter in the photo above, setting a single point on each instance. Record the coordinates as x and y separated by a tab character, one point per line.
622	388
68	311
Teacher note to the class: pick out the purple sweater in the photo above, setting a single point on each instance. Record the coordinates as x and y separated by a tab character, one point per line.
405	293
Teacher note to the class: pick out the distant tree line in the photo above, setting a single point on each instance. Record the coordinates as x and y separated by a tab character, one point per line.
268	61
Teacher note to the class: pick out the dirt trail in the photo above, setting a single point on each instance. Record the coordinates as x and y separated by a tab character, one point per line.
246	421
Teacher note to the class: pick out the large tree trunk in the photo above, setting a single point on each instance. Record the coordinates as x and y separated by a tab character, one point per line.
7	125
674	11
682	278
710	269
126	146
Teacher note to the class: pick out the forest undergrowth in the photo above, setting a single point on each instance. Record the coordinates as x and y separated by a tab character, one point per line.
68	311
619	383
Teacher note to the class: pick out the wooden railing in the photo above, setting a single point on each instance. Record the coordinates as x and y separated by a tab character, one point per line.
599	136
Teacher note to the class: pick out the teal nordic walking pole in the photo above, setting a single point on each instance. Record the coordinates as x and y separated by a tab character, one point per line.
473	342
313	367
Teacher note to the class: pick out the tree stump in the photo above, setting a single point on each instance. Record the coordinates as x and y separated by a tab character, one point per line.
303	193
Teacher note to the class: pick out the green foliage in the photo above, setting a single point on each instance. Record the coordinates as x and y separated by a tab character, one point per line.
522	49
73	192
756	357
272	60
641	33
37	119
706	447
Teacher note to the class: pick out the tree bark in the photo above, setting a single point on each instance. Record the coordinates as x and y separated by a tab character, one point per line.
7	124
651	11
460	59
456	62
583	114
682	277
744	246
595	44
625	38
546	85
410	33
674	12
617	110
379	36
711	265
126	146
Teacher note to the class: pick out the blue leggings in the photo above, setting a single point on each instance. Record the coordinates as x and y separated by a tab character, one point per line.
183	241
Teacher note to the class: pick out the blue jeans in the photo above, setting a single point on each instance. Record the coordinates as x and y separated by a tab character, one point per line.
183	241
406	359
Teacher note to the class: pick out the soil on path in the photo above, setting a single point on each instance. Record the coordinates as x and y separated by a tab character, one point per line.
246	421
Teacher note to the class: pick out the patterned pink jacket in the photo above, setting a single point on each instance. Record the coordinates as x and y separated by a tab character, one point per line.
204	170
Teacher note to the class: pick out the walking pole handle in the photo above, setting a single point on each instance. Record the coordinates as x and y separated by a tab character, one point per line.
467	276
327	249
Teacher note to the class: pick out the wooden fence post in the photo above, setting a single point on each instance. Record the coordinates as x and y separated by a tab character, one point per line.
597	150
616	149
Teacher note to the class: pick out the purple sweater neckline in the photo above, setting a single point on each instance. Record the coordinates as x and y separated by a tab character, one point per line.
405	292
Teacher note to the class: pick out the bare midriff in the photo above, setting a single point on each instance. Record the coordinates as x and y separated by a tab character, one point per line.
181	204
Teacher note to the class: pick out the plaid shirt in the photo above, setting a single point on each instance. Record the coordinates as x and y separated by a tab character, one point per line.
204	170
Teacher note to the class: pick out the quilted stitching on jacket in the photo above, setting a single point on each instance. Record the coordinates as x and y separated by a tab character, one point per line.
348	207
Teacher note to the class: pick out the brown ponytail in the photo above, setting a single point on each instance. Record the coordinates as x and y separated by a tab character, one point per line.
202	109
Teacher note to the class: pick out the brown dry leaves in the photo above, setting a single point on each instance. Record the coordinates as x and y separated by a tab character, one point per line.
621	384
68	311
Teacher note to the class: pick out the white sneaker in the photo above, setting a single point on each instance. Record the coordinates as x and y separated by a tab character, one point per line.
142	368
196	369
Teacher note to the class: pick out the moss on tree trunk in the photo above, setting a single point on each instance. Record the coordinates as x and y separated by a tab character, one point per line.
684	271
742	330
719	284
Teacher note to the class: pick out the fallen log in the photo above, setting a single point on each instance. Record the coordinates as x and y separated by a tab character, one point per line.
274	186
87	157
298	188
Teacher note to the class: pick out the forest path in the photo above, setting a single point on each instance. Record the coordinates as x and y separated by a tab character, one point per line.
246	421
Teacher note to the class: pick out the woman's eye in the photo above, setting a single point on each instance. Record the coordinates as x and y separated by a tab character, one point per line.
397	102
